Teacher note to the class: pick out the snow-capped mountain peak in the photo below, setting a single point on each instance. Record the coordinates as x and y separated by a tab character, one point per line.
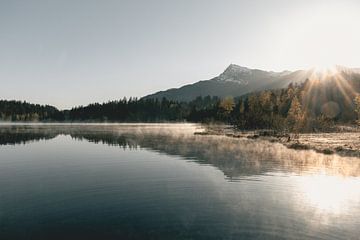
236	69
234	73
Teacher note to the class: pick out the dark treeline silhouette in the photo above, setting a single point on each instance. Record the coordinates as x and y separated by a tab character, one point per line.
316	104
131	110
125	110
26	112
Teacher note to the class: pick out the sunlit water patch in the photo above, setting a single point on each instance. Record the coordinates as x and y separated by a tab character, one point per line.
163	182
329	194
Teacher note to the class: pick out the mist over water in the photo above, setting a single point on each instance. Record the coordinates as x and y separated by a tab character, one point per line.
160	181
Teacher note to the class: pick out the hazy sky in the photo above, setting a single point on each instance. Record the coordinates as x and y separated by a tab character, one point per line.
75	52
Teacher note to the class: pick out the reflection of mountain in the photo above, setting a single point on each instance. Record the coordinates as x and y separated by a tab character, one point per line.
236	158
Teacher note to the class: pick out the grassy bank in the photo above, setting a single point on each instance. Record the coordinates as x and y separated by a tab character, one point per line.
343	140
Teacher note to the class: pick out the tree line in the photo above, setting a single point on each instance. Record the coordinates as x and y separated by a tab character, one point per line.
27	112
313	105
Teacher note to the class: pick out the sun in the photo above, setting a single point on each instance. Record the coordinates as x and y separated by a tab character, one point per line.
325	68
324	71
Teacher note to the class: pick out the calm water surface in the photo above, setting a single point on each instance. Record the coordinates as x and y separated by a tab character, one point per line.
164	182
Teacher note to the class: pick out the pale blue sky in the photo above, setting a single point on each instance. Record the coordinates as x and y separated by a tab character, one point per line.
72	52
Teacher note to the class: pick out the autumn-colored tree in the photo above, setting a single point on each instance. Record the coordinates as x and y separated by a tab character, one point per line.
242	107
295	117
357	107
226	106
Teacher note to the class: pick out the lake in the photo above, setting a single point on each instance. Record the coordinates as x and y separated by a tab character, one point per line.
160	181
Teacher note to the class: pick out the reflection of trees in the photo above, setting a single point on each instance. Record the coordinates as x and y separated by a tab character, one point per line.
11	135
236	158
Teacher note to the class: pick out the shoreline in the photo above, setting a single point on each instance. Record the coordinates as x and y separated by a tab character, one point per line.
346	144
345	141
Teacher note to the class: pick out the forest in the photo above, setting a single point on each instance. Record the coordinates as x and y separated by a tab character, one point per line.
315	105
17	111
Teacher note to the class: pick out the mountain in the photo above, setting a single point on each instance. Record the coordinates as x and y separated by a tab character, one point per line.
234	81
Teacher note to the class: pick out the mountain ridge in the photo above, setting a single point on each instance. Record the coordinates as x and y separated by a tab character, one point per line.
234	81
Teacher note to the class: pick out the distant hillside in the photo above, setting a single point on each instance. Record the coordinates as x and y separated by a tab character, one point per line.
234	81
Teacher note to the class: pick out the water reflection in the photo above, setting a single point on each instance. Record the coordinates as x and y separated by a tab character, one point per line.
11	135
234	157
149	191
328	194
